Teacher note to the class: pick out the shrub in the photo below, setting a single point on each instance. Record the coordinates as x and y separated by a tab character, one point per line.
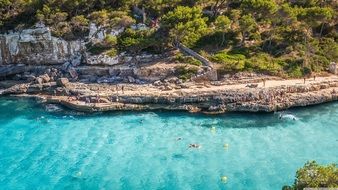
187	60
80	25
226	58
112	52
294	68
230	62
260	62
186	72
265	63
108	43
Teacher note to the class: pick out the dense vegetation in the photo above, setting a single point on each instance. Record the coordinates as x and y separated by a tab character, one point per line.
279	37
313	175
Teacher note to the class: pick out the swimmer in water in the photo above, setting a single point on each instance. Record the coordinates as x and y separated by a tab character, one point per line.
194	146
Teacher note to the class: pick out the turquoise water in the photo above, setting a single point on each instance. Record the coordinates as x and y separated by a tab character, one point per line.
60	149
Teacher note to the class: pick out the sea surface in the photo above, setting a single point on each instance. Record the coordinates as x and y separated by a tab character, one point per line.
49	147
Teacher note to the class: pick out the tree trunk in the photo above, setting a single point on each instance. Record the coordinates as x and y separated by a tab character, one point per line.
272	34
243	38
223	38
144	15
305	63
217	6
321	30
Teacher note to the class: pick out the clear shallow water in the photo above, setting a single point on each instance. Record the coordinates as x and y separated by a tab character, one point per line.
139	150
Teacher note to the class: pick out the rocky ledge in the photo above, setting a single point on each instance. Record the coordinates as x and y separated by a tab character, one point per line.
193	97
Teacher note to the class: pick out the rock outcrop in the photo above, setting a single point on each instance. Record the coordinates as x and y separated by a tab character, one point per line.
179	97
36	46
24	52
333	68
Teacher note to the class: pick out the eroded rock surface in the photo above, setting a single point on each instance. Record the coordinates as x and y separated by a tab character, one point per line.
36	46
193	98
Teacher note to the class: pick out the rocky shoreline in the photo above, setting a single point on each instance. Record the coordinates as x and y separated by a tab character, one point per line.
192	97
33	63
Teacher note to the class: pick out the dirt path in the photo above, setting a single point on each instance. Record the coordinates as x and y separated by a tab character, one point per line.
193	88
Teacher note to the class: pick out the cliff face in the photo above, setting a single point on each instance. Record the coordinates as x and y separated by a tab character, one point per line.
36	46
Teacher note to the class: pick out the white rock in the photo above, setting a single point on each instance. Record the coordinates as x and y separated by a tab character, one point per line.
36	46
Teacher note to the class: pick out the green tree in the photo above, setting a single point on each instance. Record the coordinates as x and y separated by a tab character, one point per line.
235	15
100	18
247	26
185	25
56	19
222	24
313	175
134	41
160	7
260	9
216	6
310	18
80	25
120	19
315	16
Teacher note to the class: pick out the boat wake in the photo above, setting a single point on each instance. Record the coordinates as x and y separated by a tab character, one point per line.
287	116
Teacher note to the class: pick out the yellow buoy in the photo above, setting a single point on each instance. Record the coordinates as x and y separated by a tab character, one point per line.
224	179
226	146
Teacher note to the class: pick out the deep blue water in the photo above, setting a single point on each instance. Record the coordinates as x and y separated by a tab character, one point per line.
60	149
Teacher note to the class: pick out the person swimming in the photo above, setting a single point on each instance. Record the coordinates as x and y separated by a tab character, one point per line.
194	146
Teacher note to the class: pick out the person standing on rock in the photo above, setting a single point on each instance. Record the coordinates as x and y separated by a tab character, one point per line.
304	80
264	82
122	88
98	98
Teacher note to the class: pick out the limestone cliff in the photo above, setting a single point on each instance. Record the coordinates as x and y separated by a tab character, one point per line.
36	46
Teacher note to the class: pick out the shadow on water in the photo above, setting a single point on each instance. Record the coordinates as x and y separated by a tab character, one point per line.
11	108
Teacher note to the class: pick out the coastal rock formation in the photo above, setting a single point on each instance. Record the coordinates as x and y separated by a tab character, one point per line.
24	53
59	71
36	46
210	99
